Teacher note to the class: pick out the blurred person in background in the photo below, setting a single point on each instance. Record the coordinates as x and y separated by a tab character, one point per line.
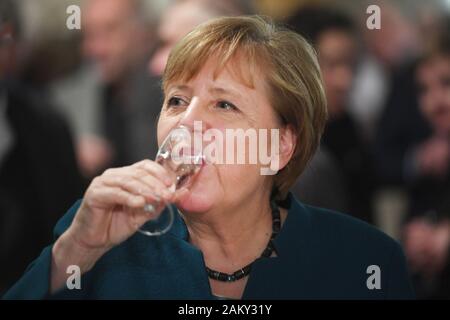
401	124
183	16
385	53
118	39
38	171
110	96
333	36
427	234
322	184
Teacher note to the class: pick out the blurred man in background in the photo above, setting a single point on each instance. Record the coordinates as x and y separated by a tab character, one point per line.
332	34
384	52
183	16
39	177
118	39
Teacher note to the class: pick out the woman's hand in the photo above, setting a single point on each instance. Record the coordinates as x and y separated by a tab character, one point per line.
112	208
111	211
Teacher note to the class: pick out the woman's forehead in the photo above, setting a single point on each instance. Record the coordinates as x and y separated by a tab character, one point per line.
236	73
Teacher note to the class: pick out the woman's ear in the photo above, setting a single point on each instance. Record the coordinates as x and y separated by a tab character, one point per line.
288	141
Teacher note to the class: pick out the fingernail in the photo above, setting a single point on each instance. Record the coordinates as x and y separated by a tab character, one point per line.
168	181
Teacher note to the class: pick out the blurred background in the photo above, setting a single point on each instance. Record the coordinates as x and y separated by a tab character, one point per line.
75	102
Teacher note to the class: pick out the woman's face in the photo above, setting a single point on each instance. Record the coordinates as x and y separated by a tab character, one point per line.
337	61
433	78
220	100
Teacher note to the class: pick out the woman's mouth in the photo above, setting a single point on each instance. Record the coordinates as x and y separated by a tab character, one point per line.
187	173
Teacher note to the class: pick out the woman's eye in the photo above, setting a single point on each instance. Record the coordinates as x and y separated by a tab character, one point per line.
226	105
176	102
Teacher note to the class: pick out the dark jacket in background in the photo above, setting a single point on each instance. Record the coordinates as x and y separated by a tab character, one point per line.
39	179
402	128
343	141
322	183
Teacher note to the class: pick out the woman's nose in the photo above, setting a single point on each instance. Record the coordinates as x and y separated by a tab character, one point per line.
195	114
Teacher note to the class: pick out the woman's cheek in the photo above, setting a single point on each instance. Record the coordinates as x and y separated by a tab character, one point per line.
165	124
236	181
216	185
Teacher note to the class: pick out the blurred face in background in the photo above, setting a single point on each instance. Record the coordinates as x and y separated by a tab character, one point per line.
176	22
114	36
433	78
397	39
7	50
337	56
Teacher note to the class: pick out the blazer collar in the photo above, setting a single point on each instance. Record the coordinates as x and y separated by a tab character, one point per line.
296	226
295	230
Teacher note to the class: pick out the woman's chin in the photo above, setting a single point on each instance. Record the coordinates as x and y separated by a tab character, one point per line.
195	202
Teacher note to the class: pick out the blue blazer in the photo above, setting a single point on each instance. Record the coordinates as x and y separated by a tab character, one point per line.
321	255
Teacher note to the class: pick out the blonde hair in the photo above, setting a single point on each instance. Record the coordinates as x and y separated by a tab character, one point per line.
291	71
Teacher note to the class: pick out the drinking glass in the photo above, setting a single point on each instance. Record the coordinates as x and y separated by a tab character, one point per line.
182	162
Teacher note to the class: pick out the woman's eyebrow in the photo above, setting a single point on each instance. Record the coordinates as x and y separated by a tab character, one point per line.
230	92
181	87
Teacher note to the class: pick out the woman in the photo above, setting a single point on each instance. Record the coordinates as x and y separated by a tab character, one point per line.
230	73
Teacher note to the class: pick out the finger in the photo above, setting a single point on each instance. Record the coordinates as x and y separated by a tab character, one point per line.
180	196
134	173
156	184
133	186
116	196
155	169
155	188
163	189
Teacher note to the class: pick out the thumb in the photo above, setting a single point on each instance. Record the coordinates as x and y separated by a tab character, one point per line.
181	195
